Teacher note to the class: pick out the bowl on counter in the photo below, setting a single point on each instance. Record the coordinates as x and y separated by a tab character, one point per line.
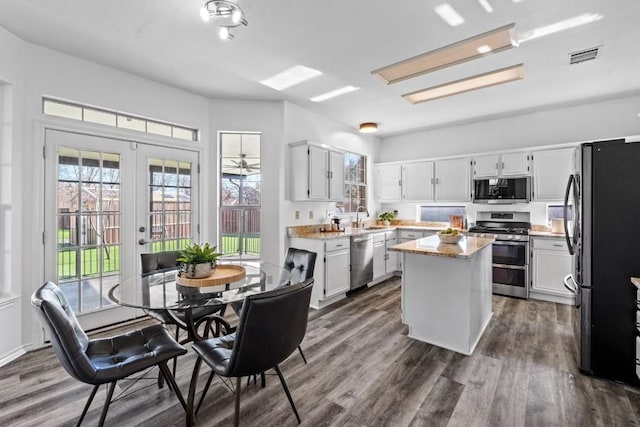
449	238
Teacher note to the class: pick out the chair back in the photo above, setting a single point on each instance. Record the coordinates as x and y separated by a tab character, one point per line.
159	261
271	327
300	265
68	340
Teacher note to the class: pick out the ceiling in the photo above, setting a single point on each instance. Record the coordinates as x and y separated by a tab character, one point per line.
166	40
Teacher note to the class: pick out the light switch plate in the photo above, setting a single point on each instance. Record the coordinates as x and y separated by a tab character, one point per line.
310	214
329	214
297	213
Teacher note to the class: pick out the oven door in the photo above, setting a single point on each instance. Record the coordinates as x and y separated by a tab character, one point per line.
510	253
511	268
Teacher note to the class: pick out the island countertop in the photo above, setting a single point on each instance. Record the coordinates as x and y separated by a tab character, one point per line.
431	245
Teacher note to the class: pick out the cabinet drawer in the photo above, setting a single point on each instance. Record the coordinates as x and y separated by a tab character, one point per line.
337	244
410	235
550	244
378	238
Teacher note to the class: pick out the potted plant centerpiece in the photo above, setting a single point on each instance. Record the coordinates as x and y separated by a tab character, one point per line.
198	261
386	217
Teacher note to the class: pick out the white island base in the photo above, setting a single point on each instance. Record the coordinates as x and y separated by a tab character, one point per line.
446	301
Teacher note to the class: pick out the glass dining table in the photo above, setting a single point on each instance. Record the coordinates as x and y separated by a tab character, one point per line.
160	290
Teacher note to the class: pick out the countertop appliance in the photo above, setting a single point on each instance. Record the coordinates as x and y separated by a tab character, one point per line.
605	195
510	251
361	260
502	190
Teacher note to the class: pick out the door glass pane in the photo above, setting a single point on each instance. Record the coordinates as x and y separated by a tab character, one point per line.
88	226
169	204
240	194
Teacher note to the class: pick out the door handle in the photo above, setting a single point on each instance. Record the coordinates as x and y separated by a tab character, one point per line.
570	288
143	242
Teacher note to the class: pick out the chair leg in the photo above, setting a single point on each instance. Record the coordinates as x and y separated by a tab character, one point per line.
192	391
286	390
103	416
263	379
86	406
236	421
302	354
171	382
204	392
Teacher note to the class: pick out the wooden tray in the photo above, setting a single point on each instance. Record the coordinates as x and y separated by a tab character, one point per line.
222	275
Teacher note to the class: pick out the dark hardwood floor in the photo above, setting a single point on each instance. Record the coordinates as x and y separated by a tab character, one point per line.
364	371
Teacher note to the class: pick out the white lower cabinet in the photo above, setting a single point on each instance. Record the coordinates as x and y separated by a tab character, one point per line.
332	273
392	264
379	256
550	263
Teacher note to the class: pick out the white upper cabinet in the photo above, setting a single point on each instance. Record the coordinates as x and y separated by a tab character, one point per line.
551	170
388	182
317	172
492	165
453	180
417	181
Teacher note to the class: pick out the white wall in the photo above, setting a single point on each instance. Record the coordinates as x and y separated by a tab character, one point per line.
302	124
588	122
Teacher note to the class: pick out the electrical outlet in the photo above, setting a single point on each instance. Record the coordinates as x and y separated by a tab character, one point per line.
310	213
297	213
329	214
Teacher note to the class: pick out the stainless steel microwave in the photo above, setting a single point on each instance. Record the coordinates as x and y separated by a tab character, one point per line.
502	190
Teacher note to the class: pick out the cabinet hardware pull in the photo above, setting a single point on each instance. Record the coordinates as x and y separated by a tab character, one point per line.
557	245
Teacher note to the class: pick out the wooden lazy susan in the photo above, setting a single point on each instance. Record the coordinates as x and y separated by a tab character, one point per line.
222	275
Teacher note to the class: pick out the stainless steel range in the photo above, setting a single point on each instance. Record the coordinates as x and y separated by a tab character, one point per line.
510	250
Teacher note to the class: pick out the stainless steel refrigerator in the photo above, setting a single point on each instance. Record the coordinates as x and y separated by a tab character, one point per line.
603	196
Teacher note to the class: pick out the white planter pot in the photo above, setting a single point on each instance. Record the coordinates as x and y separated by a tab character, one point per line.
199	271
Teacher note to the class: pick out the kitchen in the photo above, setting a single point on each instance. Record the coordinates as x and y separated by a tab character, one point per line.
473	126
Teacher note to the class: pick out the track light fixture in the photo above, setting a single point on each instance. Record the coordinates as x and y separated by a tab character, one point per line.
226	14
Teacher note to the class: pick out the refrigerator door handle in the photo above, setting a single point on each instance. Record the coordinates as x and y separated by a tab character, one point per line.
571	288
566	215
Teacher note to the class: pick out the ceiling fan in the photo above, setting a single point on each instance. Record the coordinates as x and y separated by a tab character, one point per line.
242	164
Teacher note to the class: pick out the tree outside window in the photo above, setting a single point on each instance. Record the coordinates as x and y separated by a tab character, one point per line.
355	181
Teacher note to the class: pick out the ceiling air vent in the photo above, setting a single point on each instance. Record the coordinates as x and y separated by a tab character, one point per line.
584	55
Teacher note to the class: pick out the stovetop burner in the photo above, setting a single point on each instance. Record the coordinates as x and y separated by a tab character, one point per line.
501	227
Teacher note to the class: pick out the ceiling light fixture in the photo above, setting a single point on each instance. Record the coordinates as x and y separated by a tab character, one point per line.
576	21
485	4
492	78
465	50
368	127
334	93
484	49
290	77
226	14
449	14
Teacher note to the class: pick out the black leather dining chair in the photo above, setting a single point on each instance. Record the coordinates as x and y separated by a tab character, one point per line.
271	326
103	360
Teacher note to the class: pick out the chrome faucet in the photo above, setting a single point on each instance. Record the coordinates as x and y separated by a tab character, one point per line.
360	209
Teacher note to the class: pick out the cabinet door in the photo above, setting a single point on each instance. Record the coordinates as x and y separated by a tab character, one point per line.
453	180
388	183
318	173
392	256
514	164
379	261
486	166
551	170
336	180
549	270
417	181
337	275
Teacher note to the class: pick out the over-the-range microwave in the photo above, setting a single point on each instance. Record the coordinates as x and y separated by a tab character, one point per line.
502	190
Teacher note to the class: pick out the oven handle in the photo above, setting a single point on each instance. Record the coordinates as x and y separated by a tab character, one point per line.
511	267
502	242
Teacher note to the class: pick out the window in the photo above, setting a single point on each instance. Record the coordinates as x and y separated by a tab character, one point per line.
557	212
355	182
440	213
240	194
68	110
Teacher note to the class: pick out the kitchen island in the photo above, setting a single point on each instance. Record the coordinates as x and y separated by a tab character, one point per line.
446	291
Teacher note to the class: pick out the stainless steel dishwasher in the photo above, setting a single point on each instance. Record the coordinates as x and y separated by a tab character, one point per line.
361	260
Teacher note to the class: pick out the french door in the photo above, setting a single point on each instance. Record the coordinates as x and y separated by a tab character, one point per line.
105	199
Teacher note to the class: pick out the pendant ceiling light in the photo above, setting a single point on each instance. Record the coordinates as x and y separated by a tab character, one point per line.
226	14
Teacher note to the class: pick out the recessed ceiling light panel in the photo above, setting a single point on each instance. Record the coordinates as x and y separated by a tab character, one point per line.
492	78
576	21
449	14
465	50
334	93
486	6
291	77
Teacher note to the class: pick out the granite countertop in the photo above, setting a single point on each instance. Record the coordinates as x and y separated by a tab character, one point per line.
312	231
432	246
636	282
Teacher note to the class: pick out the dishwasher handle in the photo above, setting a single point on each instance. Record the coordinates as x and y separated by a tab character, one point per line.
360	239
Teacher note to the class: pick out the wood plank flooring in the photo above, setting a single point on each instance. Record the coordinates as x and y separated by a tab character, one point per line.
364	371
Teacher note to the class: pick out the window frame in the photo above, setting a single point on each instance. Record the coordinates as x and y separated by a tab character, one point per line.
350	204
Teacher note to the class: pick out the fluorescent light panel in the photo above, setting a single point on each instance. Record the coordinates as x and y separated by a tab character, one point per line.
449	14
486	6
291	77
334	93
576	21
465	50
492	78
